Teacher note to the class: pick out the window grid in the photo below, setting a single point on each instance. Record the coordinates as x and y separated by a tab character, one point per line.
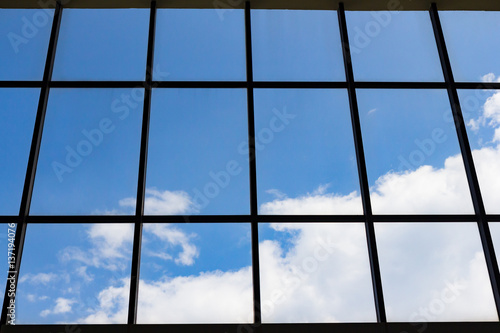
254	218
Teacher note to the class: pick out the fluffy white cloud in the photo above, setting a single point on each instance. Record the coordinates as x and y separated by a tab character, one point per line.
63	305
317	202
445	267
490	77
163	202
111	247
212	297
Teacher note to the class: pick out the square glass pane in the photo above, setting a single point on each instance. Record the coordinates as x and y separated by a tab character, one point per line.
195	165
200	45
473	43
89	157
17	118
412	154
196	273
102	44
434	272
75	273
25	41
481	111
306	163
296	45
495	235
393	46
315	272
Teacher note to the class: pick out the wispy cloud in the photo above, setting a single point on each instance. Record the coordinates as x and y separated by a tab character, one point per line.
40	278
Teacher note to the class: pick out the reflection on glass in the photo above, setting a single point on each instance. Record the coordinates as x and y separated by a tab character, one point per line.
315	273
24	43
412	154
17	118
74	273
102	44
481	111
434	272
196	273
393	46
306	162
495	235
89	157
296	45
473	43
200	44
197	161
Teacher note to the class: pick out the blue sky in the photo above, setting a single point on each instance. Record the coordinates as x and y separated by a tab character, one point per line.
198	164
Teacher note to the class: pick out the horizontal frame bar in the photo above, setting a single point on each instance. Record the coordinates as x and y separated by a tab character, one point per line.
450	218
263	4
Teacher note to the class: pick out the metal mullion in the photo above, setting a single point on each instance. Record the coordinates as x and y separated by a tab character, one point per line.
33	157
363	177
253	170
21	84
95	84
79	219
477	85
481	217
399	85
141	183
199	84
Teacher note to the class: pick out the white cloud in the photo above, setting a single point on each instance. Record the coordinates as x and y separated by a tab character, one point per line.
40	278
111	247
63	305
445	267
490	77
212	297
163	202
173	237
317	202
82	272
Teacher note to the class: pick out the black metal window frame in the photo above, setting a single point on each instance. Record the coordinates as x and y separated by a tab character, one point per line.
367	218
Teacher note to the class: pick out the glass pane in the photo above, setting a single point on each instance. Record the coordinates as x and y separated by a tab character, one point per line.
473	43
194	162
23	48
296	45
306	162
89	158
75	273
17	118
481	110
495	235
197	45
315	273
393	46
102	44
413	158
434	272
196	273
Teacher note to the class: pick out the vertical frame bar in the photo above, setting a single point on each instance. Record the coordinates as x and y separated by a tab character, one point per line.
470	170
33	160
253	168
363	177
141	185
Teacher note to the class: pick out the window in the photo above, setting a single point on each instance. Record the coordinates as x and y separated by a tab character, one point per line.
250	166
